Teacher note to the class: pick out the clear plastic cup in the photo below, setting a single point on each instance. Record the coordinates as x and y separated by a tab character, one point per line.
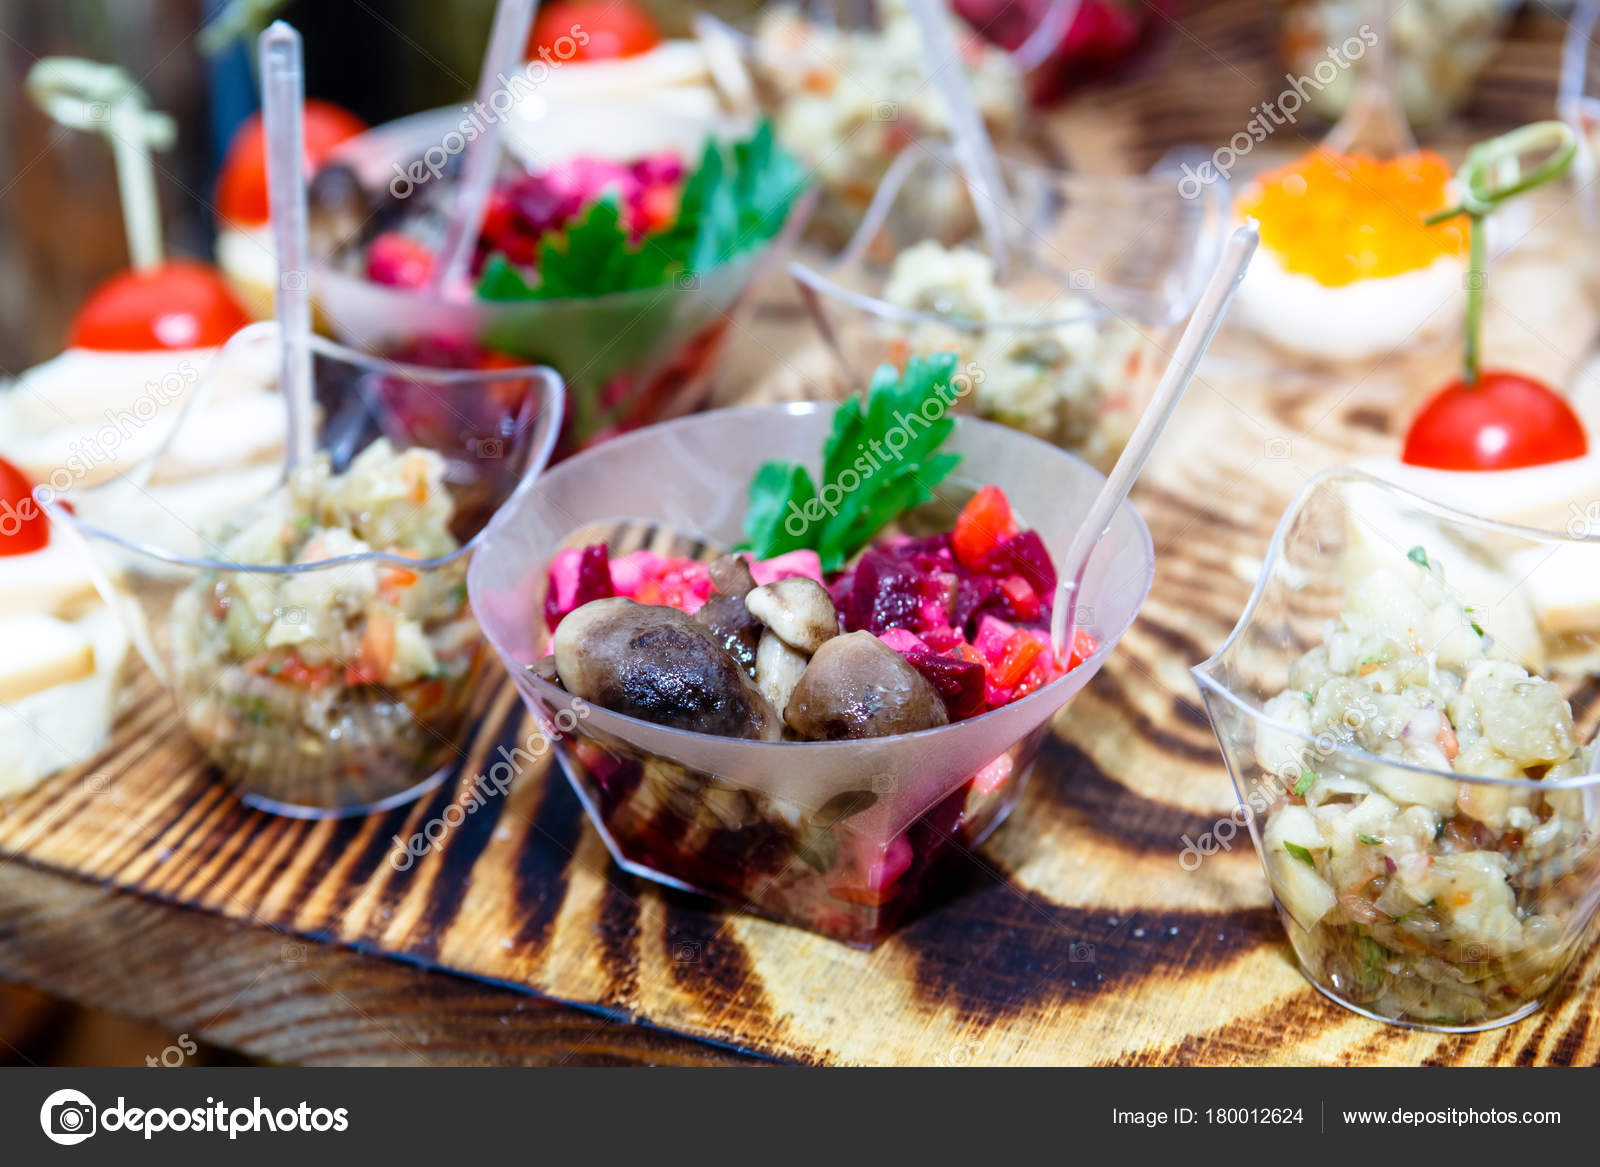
325	739
840	837
847	111
1517	861
1102	273
628	359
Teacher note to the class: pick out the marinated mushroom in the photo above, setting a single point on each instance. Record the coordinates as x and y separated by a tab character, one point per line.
731	576
856	686
659	665
778	669
798	609
725	614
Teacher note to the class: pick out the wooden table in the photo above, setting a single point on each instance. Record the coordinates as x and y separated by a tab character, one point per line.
140	885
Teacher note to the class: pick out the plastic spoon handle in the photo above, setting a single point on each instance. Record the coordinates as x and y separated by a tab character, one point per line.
1374	122
283	116
974	151
1185	360
512	21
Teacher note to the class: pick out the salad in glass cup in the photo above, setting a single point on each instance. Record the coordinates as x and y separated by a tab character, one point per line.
318	639
1065	339
847	89
811	727
618	240
1422	800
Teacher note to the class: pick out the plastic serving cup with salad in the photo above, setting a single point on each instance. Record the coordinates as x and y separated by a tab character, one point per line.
617	240
1398	727
803	691
317	640
1062	338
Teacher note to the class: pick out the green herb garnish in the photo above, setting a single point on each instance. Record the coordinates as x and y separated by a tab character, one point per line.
736	199
1368	839
1300	853
1374	957
1307	779
880	460
1418	556
1476	627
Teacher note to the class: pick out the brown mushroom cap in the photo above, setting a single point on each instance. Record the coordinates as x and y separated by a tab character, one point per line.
798	609
657	664
856	686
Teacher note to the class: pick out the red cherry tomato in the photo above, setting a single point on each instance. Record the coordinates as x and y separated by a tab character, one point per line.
242	185
23	525
594	30
1502	422
177	304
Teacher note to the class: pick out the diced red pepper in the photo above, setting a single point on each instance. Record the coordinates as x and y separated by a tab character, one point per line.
984	523
298	672
1083	647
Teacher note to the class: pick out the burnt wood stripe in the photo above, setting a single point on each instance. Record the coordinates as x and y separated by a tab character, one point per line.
1140	824
540	877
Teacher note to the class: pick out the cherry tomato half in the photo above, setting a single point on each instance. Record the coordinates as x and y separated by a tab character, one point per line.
1502	422
595	30
178	304
242	185
23	525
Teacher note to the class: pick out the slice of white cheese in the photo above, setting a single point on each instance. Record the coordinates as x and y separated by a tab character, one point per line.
42	652
68	723
53	581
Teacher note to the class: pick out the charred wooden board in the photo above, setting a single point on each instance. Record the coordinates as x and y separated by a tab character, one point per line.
1073	936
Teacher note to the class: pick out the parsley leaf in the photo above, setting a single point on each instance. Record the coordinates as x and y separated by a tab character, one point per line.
880	459
1307	779
1419	556
1368	839
736	199
1300	853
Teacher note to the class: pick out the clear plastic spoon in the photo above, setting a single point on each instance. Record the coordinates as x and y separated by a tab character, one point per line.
86	95
1185	360
283	117
1374	122
974	151
512	21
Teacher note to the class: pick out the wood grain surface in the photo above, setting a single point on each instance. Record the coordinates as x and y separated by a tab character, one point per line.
1073	936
